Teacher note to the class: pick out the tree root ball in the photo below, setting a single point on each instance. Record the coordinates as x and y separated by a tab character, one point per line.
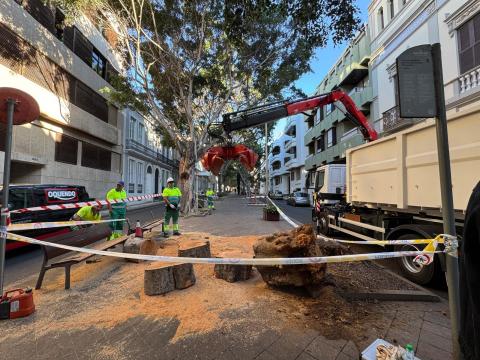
300	242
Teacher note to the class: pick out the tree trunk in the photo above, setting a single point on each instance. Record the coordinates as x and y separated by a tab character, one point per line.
187	174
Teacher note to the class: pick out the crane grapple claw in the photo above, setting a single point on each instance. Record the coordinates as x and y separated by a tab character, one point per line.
217	155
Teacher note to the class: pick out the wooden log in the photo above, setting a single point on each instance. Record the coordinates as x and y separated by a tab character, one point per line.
184	275
158	280
197	250
233	273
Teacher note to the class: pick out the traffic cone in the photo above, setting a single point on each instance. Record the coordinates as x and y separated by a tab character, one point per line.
138	230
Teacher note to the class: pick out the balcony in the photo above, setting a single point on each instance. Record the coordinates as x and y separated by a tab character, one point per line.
469	80
291	128
290	143
362	96
352	74
148	152
392	122
293	162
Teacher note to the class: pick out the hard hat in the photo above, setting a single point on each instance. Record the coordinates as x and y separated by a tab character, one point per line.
170	179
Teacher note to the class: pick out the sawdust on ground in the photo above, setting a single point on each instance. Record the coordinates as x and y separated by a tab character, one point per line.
110	292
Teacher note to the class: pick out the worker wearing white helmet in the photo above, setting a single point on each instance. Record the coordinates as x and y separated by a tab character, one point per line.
171	197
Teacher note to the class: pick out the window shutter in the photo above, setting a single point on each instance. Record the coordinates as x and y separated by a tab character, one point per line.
83	47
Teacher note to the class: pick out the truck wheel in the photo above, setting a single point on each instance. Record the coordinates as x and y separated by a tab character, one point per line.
418	274
322	224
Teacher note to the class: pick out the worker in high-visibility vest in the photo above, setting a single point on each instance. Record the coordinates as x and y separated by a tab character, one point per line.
210	194
171	197
86	213
117	210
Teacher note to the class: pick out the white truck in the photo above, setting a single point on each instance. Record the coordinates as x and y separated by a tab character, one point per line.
390	188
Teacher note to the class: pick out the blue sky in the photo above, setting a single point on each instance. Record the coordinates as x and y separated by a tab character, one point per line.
320	64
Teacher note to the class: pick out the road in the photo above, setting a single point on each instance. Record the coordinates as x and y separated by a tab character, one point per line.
27	261
300	214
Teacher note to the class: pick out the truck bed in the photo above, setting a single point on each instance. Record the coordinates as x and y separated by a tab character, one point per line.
400	171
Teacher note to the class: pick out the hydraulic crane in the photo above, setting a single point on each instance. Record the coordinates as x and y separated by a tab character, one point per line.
244	119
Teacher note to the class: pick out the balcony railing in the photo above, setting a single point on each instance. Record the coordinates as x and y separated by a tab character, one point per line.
469	80
145	150
392	121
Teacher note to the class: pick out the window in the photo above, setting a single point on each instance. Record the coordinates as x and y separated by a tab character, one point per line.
395	89
66	149
331	137
391	9
311	148
469	44
292	175
381	21
131	128
139	177
20	198
131	176
321	143
141	132
96	157
98	63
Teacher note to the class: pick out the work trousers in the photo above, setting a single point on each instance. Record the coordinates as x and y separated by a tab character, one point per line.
170	214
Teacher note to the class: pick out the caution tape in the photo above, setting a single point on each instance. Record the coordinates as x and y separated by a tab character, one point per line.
231	261
282	214
439	239
85	203
55	224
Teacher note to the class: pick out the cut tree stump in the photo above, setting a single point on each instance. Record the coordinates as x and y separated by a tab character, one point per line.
132	246
158	280
161	279
196	250
233	273
148	247
184	275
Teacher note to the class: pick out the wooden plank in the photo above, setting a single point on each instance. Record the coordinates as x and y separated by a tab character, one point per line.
104	245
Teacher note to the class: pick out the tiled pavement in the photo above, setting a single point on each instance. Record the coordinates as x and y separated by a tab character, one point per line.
425	325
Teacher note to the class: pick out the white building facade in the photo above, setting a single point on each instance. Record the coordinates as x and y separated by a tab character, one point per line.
147	164
296	153
398	25
278	174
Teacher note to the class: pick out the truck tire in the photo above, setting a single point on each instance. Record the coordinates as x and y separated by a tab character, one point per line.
421	275
322	224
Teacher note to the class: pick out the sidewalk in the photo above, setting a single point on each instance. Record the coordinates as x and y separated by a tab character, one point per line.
106	315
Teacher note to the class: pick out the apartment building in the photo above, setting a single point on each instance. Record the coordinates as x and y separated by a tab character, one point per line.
147	163
398	25
295	153
278	174
329	134
77	138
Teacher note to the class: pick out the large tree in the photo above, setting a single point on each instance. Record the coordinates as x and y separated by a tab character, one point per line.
187	62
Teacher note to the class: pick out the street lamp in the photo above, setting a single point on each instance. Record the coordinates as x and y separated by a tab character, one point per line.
16	108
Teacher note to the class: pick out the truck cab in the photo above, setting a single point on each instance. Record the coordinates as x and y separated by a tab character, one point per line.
328	182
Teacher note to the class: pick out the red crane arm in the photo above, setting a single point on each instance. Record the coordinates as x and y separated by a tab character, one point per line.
353	113
270	112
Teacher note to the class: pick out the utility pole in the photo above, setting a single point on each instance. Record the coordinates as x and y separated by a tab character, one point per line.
21	108
448	214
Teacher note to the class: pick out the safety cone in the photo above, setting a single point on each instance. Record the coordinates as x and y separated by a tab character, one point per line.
138	230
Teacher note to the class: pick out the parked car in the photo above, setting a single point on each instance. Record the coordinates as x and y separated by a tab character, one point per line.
276	195
298	198
25	196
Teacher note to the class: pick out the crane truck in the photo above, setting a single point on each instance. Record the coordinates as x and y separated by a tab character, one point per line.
389	188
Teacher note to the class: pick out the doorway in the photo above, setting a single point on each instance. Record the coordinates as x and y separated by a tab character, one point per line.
157	175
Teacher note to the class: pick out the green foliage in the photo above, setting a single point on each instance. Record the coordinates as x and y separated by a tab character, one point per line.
270	209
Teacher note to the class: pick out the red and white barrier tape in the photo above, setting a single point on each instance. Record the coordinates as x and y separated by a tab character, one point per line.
85	203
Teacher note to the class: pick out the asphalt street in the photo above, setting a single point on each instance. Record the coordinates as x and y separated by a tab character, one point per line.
299	214
26	261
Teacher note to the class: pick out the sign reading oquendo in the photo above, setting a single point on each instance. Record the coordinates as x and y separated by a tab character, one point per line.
57	195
